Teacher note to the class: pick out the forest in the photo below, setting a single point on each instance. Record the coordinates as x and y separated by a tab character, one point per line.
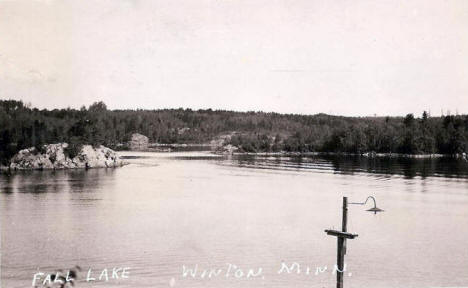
22	126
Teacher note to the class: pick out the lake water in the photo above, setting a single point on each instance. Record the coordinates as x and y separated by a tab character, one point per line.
167	211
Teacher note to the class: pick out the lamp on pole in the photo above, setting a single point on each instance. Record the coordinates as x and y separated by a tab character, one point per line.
344	234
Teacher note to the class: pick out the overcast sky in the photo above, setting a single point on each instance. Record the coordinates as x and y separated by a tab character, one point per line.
338	57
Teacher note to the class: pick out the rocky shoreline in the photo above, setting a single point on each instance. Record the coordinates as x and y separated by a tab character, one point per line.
56	156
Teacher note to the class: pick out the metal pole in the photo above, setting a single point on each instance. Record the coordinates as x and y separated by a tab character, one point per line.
345	214
342	246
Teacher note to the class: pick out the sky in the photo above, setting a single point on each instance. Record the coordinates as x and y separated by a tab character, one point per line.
356	58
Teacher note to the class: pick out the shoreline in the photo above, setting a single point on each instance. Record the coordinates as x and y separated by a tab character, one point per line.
346	154
218	150
8	169
369	155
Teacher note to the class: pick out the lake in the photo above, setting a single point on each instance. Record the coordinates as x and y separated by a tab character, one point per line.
166	213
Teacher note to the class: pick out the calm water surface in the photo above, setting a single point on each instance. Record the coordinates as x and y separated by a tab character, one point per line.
166	210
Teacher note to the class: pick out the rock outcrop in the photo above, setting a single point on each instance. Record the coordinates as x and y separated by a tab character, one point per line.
228	149
139	142
54	156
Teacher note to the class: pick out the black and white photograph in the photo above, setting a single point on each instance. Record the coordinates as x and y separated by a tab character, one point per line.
233	143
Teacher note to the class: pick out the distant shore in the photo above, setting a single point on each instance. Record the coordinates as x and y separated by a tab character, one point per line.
232	132
367	155
166	147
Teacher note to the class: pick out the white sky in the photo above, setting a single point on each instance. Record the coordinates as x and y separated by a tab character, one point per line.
339	57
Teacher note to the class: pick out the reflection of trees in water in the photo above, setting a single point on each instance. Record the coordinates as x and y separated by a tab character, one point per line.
6	183
347	164
35	182
452	167
247	160
408	167
298	161
447	167
87	180
53	181
411	167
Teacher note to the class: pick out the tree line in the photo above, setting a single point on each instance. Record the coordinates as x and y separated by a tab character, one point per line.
22	126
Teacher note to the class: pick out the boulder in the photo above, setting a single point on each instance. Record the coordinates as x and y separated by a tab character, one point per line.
371	154
54	156
139	142
229	149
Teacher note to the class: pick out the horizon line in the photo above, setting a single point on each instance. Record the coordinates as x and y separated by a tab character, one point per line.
330	113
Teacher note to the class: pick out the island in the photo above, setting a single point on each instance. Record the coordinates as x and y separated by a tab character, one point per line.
63	156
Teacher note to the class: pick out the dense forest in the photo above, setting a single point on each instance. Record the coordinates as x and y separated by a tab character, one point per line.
22	126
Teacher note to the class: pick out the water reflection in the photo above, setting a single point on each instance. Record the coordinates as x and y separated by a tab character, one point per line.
55	181
165	210
350	165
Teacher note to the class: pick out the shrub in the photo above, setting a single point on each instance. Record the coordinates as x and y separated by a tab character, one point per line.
72	150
